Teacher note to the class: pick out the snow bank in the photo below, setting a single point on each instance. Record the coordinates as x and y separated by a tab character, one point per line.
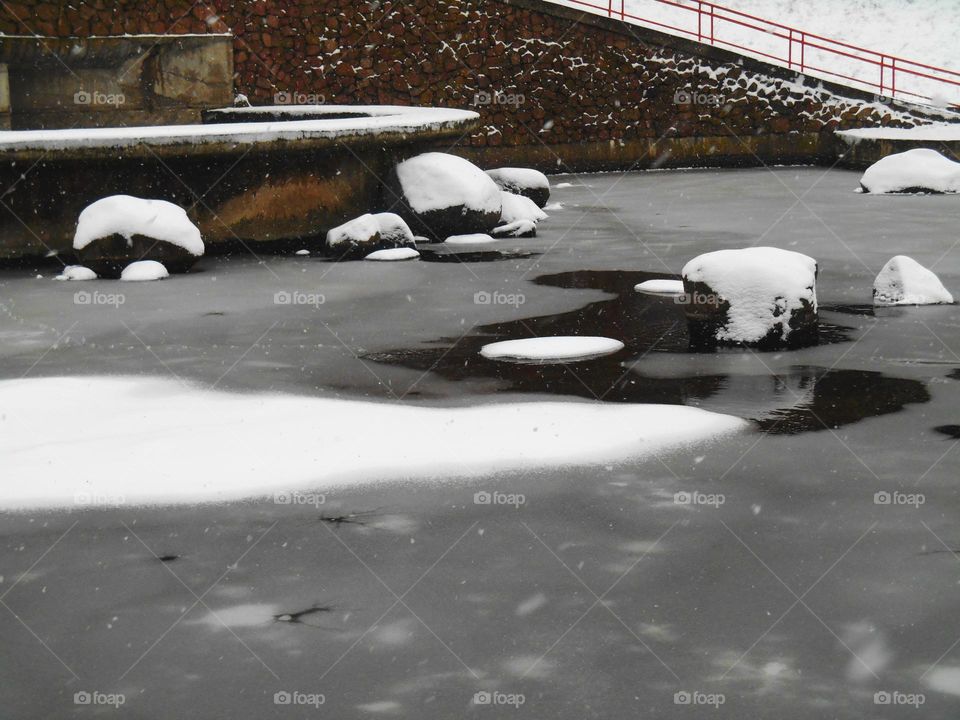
76	272
551	349
437	181
762	289
920	170
660	287
144	270
474	239
904	281
128	216
137	441
403	253
515	208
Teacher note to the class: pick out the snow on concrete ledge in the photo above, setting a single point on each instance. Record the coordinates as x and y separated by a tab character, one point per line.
382	119
943	132
134	441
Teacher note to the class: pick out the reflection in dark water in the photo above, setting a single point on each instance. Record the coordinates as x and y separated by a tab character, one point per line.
653	367
448	255
951	431
954	374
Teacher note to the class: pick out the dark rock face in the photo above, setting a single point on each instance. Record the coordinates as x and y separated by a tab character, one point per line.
108	256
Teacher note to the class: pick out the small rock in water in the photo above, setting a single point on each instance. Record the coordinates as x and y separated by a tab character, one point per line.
904	281
474	239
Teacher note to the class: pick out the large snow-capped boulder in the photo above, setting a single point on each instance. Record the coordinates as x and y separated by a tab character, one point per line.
523	181
442	195
120	229
760	296
904	281
919	170
369	233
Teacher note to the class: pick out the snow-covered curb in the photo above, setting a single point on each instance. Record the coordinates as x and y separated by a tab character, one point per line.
383	119
944	132
130	440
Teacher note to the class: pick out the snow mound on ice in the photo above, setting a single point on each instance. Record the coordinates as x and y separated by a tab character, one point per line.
551	349
904	281
764	286
144	270
660	287
403	253
435	181
76	272
919	170
474	239
518	207
128	216
159	441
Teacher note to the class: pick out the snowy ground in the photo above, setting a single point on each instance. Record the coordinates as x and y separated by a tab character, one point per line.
592	591
925	31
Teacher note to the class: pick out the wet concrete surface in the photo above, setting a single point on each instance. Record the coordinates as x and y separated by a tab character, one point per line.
786	583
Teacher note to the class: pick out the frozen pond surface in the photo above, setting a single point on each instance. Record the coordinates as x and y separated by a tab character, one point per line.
600	595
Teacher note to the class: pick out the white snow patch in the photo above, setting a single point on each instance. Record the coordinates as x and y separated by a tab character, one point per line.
904	281
144	270
763	286
515	229
660	287
921	168
551	349
519	207
128	216
76	272
514	179
553	207
434	181
303	252
474	239
402	253
146	440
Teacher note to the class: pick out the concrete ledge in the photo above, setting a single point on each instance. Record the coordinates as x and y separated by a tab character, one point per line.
861	148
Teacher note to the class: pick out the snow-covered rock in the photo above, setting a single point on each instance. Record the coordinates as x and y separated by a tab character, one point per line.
551	349
660	287
474	239
754	296
76	272
517	210
392	254
368	233
442	195
519	228
904	281
919	170
144	270
523	181
118	230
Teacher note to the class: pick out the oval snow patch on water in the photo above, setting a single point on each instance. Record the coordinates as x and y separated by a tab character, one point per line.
551	349
76	272
402	253
144	270
660	287
475	239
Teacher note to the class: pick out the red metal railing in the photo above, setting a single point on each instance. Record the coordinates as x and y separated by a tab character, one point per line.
887	75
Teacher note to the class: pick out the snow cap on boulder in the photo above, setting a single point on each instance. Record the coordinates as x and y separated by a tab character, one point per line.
919	170
517	208
120	229
755	296
442	195
904	281
523	181
368	233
